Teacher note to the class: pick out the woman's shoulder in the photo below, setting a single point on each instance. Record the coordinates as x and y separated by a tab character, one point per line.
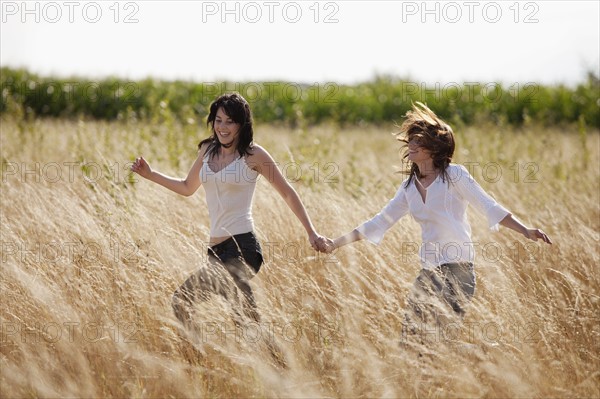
257	153
256	157
459	175
256	148
202	150
403	186
456	171
456	167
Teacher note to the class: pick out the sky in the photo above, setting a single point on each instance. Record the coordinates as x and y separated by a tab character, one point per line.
432	42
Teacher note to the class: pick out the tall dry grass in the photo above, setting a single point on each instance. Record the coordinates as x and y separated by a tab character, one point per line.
90	260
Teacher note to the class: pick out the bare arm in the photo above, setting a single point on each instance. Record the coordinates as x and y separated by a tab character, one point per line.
533	234
186	187
346	239
264	164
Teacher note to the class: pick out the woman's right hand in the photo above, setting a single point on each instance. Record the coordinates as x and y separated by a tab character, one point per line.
141	167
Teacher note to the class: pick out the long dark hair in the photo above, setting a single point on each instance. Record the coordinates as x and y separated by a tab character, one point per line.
237	108
433	134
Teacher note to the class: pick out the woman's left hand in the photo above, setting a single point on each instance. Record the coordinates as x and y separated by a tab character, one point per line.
534	234
318	242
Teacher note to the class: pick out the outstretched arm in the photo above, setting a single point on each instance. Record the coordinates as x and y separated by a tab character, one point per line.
187	186
533	234
375	228
484	203
347	238
264	164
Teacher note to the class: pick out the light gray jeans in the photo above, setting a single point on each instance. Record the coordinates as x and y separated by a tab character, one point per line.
446	289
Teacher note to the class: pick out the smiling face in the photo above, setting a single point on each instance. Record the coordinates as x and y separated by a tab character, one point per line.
226	129
230	120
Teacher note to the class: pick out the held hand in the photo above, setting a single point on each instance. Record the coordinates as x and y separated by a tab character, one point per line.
141	167
534	234
329	245
318	242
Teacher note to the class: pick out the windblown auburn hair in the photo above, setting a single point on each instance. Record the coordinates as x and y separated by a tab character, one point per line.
431	133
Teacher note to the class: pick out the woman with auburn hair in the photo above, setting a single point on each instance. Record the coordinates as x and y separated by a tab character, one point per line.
436	193
228	165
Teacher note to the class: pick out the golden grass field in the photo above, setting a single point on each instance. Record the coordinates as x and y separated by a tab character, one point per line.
90	261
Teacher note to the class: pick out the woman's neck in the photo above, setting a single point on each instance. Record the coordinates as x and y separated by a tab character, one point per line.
228	151
426	168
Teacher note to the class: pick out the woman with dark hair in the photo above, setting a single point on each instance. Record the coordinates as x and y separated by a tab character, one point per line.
228	165
436	193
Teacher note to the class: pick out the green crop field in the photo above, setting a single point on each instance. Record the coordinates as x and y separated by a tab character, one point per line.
300	104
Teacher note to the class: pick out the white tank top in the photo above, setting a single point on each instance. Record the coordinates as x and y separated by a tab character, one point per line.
229	195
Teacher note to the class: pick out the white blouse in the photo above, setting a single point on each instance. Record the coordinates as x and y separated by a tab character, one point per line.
445	231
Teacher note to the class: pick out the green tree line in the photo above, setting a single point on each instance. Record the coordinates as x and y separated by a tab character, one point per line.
382	99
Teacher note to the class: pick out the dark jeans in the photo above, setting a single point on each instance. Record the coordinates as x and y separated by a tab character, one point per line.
236	260
449	286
